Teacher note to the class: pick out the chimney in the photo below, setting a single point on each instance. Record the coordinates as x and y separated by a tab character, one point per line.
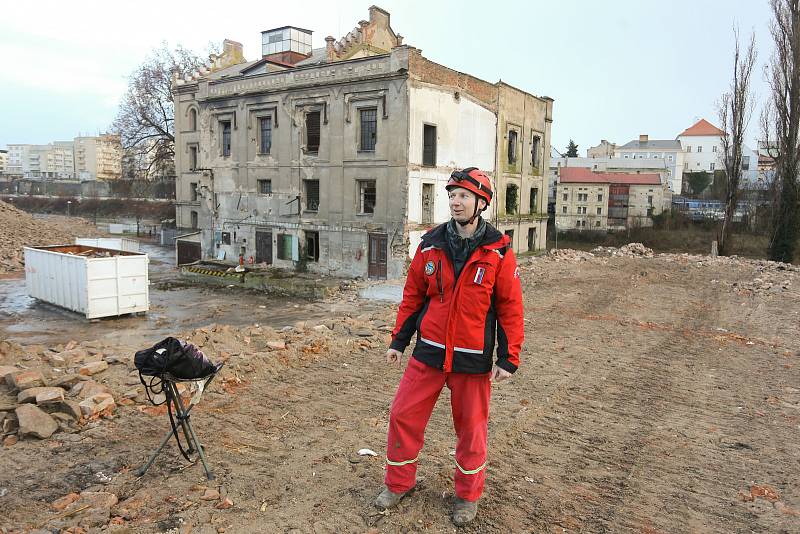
643	138
329	50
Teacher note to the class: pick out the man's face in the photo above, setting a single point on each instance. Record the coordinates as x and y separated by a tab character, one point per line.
462	203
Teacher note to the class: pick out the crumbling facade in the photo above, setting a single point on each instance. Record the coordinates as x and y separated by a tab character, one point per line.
335	159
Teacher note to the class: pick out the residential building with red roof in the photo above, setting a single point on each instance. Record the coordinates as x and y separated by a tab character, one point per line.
590	200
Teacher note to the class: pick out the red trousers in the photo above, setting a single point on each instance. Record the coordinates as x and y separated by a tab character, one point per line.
416	396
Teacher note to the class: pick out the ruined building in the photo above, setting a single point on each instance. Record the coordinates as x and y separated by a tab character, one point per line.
335	159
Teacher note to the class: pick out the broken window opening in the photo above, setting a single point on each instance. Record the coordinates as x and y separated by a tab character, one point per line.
512	147
366	196
312	246
312	194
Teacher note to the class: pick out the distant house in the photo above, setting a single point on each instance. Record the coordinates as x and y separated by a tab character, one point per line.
702	145
589	200
668	150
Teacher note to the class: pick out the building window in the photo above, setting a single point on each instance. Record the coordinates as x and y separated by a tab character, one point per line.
366	196
599	211
511	199
565	197
510	234
193	119
512	147
597	223
192	158
427	203
284	247
312	246
312	194
688	148
534	201
535	151
265	187
699	148
369	129
265	135
225	126
564	210
650	200
429	145
312	132
194	219
711	166
714	148
745	163
193	191
599	197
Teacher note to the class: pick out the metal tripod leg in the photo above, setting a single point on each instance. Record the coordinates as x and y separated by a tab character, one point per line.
191	437
188	425
181	415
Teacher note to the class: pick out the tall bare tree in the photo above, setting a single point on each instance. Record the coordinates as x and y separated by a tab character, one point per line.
735	110
781	125
146	116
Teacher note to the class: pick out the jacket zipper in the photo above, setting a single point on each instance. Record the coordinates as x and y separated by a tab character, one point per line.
439	283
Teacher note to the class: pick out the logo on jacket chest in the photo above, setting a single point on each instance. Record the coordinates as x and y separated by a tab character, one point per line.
430	268
479	275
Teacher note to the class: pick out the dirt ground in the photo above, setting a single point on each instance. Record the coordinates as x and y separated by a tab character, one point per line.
656	395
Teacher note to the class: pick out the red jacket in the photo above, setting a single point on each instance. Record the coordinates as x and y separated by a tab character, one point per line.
457	321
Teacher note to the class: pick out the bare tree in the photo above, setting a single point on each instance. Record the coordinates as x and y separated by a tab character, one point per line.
146	116
735	110
780	125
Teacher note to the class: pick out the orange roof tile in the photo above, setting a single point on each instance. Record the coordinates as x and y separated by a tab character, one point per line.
581	175
702	127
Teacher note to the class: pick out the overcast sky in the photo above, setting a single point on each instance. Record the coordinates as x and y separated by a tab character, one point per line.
616	69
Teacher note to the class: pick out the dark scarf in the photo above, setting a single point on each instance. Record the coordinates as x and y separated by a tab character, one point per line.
461	248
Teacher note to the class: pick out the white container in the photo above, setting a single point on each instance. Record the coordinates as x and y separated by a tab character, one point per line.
92	286
114	243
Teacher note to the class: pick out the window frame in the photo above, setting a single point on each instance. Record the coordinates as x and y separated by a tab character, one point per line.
432	150
308	150
226	130
361	183
362	146
261	121
264	181
307	195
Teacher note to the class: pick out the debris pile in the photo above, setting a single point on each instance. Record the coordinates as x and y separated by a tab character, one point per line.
629	250
19	229
568	254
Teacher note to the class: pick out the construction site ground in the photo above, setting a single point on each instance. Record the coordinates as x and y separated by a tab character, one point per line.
656	395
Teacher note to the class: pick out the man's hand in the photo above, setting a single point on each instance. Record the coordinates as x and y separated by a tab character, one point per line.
394	357
498	374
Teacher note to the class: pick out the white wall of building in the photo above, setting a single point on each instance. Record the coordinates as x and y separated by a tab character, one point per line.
465	137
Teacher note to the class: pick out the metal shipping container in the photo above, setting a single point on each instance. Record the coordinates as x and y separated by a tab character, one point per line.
95	282
114	243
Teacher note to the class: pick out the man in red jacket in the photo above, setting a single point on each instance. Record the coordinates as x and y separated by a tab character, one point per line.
462	296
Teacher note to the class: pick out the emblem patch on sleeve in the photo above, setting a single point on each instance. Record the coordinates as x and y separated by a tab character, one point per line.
430	268
516	272
479	275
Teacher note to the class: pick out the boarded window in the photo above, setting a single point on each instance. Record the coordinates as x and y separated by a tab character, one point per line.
429	145
512	147
226	137
284	247
369	128
265	137
312	194
312	246
265	187
366	196
312	132
194	219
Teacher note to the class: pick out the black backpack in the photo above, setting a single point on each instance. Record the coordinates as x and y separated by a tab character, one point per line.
178	358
